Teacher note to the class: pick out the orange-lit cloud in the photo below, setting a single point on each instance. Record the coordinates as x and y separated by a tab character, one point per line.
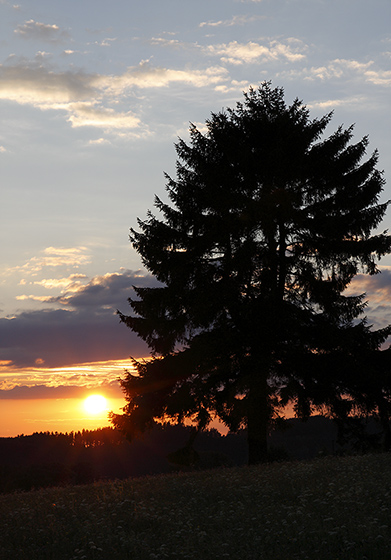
53	257
70	284
377	287
40	381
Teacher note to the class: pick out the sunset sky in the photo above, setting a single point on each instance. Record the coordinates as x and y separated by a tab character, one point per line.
93	95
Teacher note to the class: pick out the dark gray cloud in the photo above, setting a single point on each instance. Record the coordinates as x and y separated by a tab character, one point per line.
381	281
60	392
87	330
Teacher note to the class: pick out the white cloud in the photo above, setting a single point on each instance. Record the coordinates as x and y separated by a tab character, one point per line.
86	114
339	69
42	31
174	43
146	76
106	42
379	77
2	150
84	97
251	52
98	142
329	104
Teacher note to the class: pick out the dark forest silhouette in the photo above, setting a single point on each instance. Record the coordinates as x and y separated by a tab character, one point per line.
52	459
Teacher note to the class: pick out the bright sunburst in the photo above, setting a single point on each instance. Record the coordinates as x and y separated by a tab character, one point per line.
95	404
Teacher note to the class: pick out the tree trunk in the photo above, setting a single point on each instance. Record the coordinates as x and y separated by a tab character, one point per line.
385	423
257	419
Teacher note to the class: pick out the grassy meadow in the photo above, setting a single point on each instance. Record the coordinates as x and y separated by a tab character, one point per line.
329	508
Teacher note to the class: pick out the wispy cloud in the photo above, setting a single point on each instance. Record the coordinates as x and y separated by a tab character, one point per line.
50	257
146	76
342	69
235	20
246	53
86	98
70	284
71	391
107	42
173	43
41	31
330	104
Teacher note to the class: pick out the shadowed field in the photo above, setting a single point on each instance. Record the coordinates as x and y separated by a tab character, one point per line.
327	508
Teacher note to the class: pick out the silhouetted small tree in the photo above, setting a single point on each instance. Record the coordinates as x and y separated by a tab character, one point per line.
266	225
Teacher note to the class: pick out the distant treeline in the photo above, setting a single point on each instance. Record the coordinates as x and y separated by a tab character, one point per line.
52	458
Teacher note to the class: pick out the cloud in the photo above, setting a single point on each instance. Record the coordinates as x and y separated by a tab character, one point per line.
174	43
60	391
41	31
377	290
107	42
98	142
338	68
83	326
102	292
86	98
146	76
379	77
77	91
53	257
86	114
71	283
235	20
87	329
32	83
345	69
376	287
350	102
251	52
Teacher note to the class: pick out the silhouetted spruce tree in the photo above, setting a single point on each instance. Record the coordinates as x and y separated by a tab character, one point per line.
266	226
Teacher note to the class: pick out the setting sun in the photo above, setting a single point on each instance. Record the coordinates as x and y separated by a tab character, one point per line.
95	404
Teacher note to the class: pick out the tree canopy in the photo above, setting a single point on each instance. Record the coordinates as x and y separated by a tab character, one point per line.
266	224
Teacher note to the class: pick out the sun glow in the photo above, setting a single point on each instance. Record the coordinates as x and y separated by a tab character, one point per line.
95	404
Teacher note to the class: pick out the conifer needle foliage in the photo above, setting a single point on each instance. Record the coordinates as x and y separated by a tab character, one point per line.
266	224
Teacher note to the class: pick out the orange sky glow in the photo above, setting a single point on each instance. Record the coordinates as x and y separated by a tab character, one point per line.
52	399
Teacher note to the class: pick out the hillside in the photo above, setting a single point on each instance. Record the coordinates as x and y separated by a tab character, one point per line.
332	507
